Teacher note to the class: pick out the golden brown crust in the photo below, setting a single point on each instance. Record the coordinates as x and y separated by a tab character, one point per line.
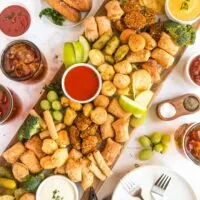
80	5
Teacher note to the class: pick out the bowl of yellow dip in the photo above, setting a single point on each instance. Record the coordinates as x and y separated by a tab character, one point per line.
183	11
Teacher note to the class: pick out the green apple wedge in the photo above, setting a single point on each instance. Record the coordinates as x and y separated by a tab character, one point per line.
136	122
131	106
69	57
144	98
86	47
79	51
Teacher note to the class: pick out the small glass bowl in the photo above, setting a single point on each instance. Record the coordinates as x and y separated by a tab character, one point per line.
37	51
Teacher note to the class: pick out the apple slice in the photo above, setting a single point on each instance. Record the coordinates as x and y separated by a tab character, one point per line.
131	106
86	47
69	57
135	122
144	98
79	52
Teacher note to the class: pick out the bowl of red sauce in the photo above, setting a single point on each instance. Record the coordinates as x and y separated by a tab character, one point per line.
193	70
81	83
15	20
6	104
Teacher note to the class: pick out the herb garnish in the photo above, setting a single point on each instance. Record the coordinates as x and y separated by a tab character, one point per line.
56	195
185	5
56	17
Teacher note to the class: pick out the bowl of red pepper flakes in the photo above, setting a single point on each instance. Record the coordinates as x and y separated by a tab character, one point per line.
15	20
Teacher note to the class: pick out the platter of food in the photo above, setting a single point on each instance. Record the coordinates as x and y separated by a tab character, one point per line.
103	91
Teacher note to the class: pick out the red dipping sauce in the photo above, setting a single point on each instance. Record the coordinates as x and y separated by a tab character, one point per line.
81	83
15	20
194	70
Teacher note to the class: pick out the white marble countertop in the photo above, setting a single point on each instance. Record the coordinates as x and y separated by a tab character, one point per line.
50	41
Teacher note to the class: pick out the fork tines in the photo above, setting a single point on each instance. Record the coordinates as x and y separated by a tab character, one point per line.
163	181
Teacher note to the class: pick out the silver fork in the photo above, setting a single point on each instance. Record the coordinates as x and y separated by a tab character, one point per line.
160	186
131	188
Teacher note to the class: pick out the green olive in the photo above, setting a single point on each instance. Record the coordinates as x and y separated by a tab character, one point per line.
156	137
165	139
158	148
145	141
145	154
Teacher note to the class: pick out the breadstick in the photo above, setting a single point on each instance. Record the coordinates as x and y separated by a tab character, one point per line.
102	164
42	122
91	158
50	124
97	172
45	134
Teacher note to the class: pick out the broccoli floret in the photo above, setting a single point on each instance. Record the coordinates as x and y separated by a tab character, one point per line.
32	182
183	35
30	127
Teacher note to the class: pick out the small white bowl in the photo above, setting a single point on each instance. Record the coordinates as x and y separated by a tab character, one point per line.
52	179
187	70
84	65
173	18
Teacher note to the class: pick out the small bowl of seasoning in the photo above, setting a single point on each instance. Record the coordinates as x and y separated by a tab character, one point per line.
15	20
21	60
192	70
173	108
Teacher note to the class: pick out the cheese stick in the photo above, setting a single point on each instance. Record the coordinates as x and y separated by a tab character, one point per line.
50	124
97	172
66	11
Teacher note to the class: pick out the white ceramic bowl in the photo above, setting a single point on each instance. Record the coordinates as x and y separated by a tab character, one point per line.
84	65
50	180
170	15
187	70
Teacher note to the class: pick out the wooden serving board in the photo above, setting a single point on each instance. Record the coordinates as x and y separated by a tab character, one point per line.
156	88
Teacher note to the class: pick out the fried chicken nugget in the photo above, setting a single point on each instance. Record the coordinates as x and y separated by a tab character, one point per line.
82	122
89	144
98	115
74	135
74	170
27	196
63	139
20	171
12	154
30	160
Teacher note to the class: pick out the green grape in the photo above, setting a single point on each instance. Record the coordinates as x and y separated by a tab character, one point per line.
145	154
52	96
165	148
156	137
45	105
56	105
158	148
165	139
145	141
57	115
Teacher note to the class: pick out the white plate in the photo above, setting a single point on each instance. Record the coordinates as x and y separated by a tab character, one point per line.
66	24
178	189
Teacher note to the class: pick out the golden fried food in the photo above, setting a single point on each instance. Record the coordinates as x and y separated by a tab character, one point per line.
121	81
106	129
108	88
49	146
46	163
102	101
121	52
70	116
114	11
138	57
20	171
131	5
91	158
90	29
125	91
74	136
96	57
123	67
82	122
35	144
124	36
59	157
121	130
12	154
107	72
30	160
60	170
157	6
98	115
152	67
74	170
89	144
80	5
97	172
75	106
136	42
163	58
112	45
119	25
66	11
64	101
150	43
90	131
111	151
104	25
115	109
87	108
166	43
150	15
27	196
87	179
75	154
63	139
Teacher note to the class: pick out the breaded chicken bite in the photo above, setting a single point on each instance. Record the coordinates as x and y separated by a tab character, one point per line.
74	136
28	196
20	171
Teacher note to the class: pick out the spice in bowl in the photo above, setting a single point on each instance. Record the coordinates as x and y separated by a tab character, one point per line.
191	103
167	110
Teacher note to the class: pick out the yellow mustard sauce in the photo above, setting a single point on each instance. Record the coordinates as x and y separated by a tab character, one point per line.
185	10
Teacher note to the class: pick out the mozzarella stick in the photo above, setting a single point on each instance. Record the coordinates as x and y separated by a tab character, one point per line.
50	124
42	122
102	164
45	134
97	172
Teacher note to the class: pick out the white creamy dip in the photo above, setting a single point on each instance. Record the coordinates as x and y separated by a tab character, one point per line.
167	110
57	188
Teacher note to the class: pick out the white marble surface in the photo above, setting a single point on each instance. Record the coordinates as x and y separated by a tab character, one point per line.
50	40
